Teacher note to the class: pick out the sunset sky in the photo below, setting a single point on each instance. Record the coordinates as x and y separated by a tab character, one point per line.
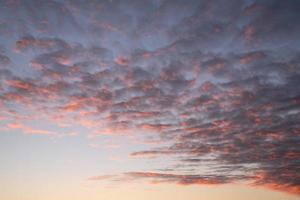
150	100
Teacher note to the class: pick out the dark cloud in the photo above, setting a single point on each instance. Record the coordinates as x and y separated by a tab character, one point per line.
179	179
4	61
29	42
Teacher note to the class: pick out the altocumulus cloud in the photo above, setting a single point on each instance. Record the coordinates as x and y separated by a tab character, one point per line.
217	84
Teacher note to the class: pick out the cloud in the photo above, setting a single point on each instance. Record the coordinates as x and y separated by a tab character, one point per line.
4	60
218	86
178	179
31	43
29	130
151	153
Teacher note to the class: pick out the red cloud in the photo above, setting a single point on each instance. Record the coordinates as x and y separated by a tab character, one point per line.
29	130
250	57
122	61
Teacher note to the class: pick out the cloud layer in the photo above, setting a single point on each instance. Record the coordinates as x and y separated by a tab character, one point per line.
217	86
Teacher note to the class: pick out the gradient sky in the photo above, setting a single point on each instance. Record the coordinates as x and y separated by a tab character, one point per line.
149	100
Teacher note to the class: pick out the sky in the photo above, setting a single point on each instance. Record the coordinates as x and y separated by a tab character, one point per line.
149	99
